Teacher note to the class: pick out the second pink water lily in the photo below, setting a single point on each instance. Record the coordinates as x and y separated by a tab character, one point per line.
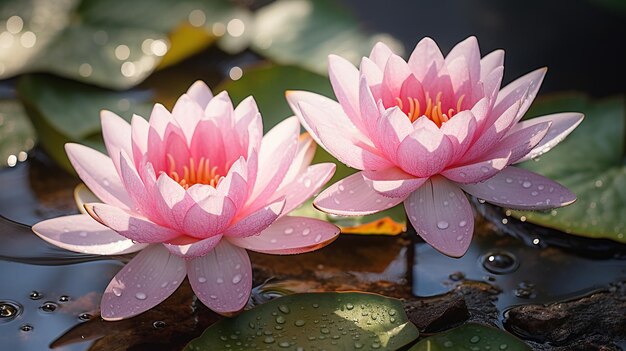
426	131
192	190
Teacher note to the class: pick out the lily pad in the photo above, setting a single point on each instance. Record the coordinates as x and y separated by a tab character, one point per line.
115	44
268	83
66	111
314	321
470	337
305	32
17	135
591	162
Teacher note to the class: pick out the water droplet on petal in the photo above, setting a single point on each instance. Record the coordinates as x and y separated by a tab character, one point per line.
201	280
509	180
288	230
462	224
526	184
236	279
442	225
117	292
140	296
307	183
306	231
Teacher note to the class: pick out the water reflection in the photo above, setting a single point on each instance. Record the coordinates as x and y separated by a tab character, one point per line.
525	274
30	317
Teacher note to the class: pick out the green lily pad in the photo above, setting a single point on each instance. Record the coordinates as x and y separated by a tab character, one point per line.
591	163
17	135
268	83
314	321
115	44
65	111
470	337
305	32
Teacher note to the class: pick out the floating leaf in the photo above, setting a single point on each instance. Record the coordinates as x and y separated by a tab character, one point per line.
64	111
17	135
314	321
591	163
268	84
115	44
305	32
470	337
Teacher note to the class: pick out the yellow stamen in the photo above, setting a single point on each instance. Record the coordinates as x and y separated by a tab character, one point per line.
193	173
434	108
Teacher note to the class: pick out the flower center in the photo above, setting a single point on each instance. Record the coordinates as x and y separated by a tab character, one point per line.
432	109
194	172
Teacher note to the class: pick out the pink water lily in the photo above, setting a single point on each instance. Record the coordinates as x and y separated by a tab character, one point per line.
193	189
426	131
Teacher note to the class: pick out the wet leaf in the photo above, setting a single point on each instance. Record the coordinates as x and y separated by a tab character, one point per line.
17	135
64	111
337	321
591	163
268	83
469	337
115	44
305	32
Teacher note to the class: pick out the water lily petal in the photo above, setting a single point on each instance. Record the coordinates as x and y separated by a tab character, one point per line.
369	108
469	51
139	135
278	149
116	133
144	200
290	235
521	141
460	130
301	161
442	216
235	185
172	202
207	142
222	279
249	124
393	182
562	125
426	151
148	279
490	62
98	172
521	189
373	74
393	127
340	142
209	217
187	113
318	115
189	247
395	74
492	83
353	196
307	184
479	170
344	78
256	221
489	137
200	93
380	54
426	61
522	90
129	224
81	233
